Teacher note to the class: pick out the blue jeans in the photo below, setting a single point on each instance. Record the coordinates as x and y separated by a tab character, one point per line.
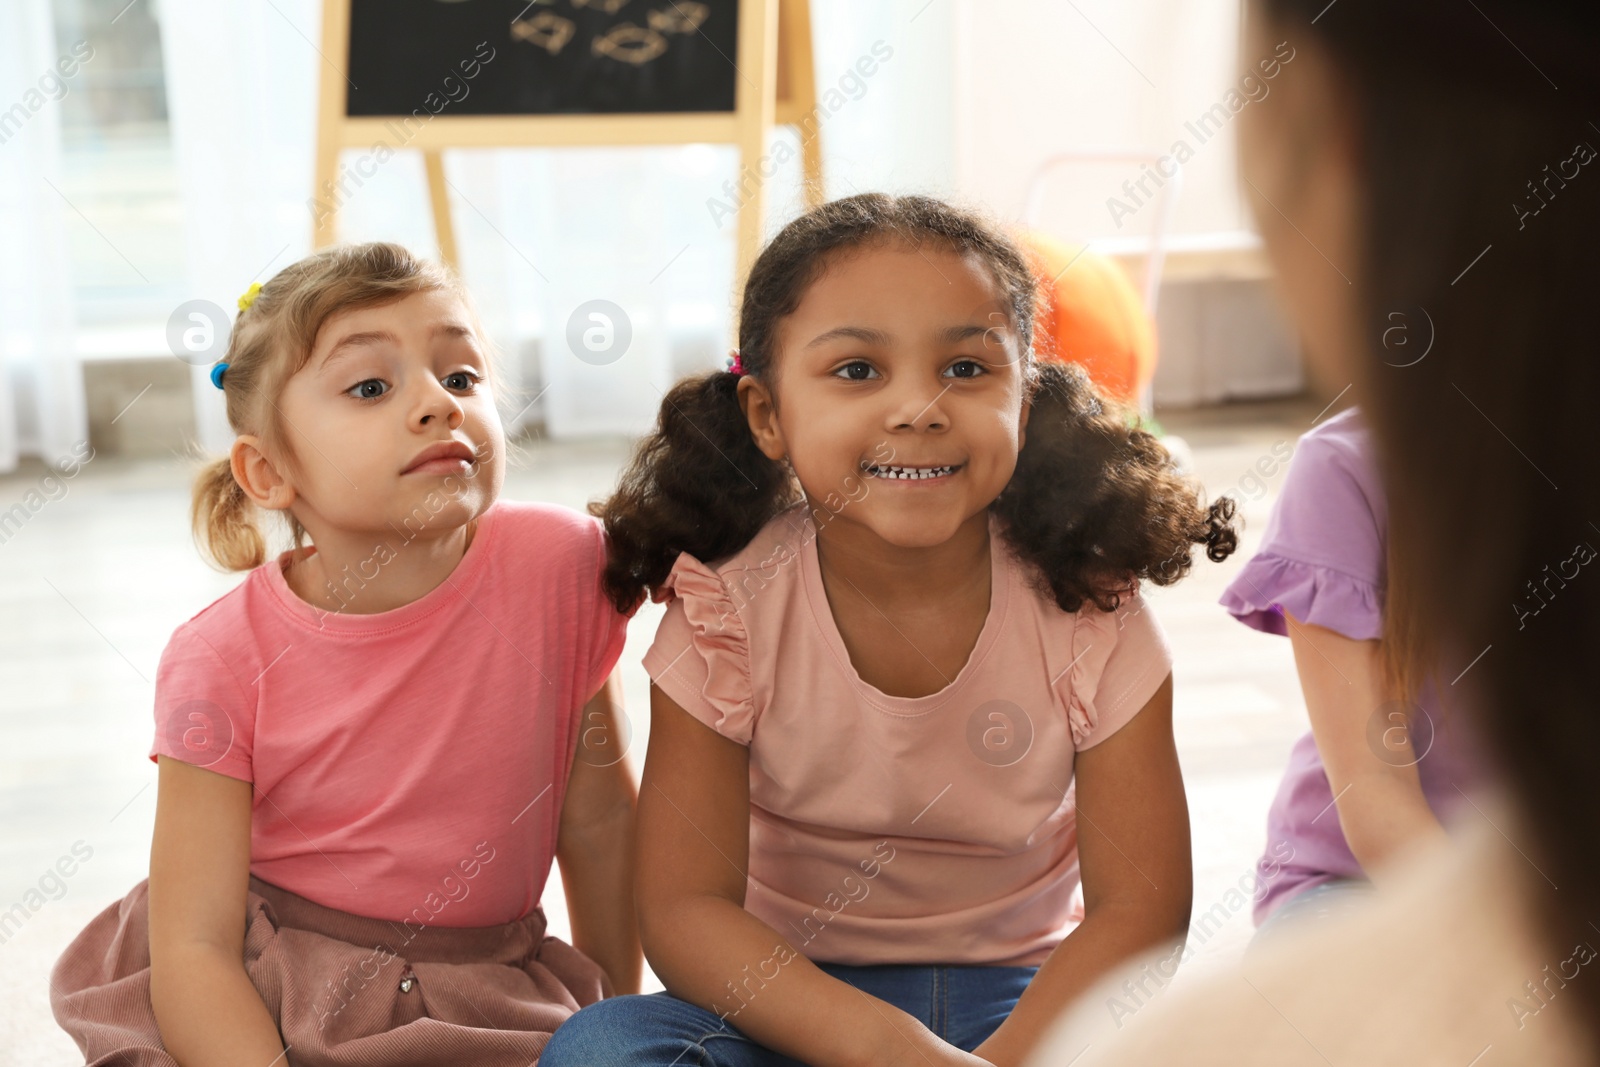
961	1004
1309	906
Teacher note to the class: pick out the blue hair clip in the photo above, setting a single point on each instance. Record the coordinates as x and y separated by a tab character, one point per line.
216	374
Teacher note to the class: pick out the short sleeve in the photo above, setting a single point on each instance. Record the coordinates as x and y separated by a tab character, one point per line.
1322	557
204	715
608	627
701	654
1119	660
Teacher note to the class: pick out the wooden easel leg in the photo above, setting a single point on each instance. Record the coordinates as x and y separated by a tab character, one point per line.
756	106
803	84
811	156
326	195
439	197
752	213
325	191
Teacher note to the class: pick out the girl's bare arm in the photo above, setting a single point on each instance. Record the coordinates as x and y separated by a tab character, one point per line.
1138	877
1373	775
694	837
206	1007
595	847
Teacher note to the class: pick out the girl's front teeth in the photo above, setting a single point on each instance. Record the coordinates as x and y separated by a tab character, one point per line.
910	472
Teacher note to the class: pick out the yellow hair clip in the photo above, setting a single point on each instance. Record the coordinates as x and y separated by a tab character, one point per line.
249	296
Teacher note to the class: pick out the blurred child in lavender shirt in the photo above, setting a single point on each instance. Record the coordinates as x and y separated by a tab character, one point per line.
1378	772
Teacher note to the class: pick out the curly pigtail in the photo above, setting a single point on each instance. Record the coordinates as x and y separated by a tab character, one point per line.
697	484
1095	504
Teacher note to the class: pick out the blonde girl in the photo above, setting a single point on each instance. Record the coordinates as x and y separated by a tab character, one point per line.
369	749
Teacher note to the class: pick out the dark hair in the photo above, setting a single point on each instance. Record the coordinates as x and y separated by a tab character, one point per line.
1486	444
1092	504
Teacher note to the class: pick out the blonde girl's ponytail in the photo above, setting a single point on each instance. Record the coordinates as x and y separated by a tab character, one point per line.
224	520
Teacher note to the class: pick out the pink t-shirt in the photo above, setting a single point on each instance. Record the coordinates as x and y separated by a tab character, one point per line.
408	764
885	829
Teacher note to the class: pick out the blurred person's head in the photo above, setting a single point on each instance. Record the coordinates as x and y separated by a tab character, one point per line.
346	373
1432	167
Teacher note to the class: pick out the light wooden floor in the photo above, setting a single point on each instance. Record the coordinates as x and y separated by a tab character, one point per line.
93	585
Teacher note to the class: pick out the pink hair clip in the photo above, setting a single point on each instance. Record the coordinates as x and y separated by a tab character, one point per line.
736	364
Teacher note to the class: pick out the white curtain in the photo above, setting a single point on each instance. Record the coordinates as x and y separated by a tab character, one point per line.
241	98
41	383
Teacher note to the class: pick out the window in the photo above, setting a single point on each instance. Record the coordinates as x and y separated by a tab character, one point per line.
124	226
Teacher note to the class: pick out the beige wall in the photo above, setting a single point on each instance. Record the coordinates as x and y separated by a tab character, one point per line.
1034	78
1037	77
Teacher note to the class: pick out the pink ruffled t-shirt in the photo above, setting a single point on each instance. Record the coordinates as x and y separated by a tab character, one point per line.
888	829
409	764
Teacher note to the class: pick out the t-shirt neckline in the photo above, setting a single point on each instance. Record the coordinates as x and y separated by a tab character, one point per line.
999	599
457	583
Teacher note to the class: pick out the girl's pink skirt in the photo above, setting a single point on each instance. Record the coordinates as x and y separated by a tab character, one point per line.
345	990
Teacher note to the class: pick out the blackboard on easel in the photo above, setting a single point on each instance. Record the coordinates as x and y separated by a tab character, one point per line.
442	74
549	58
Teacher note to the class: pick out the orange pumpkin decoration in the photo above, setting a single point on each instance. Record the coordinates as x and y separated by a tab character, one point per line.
1091	315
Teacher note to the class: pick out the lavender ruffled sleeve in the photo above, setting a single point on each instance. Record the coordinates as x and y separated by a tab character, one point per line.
1270	585
1322	556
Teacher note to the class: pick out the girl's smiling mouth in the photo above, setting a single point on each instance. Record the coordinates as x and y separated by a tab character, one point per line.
912	474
